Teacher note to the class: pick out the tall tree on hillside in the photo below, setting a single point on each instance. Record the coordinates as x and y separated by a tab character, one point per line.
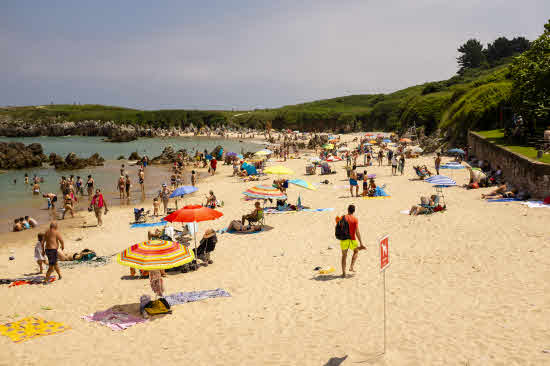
530	74
472	55
503	47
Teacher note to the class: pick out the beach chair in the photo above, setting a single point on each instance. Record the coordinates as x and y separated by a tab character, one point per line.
431	208
310	170
260	219
421	173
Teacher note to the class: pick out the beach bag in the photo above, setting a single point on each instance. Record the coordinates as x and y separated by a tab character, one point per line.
342	229
159	306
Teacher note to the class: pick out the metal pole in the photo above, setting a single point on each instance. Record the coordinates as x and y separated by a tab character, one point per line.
384	311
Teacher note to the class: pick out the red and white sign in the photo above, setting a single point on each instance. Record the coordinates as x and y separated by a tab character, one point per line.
384	252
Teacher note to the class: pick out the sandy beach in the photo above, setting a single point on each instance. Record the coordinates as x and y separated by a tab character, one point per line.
468	286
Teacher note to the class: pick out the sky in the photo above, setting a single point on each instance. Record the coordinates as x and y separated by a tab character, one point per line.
239	54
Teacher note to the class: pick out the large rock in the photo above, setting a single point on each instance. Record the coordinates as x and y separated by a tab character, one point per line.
15	155
167	156
134	156
73	162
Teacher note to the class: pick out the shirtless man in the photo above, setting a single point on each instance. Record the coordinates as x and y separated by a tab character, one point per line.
52	199
50	244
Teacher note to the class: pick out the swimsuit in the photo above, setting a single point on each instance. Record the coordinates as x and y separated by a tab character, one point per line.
352	182
52	256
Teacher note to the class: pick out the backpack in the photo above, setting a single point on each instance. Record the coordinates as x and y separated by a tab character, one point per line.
342	229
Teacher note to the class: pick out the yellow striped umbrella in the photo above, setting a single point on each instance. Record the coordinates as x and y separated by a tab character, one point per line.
155	255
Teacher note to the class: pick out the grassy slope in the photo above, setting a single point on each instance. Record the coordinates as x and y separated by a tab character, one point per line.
453	103
497	137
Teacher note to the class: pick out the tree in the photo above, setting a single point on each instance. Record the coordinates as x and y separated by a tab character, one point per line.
503	47
530	73
472	55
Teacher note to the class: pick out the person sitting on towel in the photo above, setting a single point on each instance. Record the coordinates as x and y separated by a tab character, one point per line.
236	225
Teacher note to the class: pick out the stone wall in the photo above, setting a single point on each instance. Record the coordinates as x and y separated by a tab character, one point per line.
518	170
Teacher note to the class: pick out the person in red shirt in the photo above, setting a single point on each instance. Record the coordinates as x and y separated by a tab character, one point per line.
213	165
351	243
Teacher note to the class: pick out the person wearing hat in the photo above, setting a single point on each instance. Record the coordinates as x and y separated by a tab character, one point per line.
164	195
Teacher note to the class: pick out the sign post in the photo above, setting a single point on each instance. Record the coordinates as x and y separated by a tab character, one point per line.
384	263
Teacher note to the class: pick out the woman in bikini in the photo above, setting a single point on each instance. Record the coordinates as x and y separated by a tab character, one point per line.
121	186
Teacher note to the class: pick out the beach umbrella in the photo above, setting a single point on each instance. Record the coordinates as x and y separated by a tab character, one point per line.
367	144
344	148
231	154
369	134
278	169
440	181
417	149
380	135
387	141
240	156
456	151
155	255
373	141
371	176
315	159
182	191
332	159
263	152
264	192
405	140
328	146
208	157
302	183
193	214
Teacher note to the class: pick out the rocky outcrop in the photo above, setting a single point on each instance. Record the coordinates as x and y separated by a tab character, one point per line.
167	156
15	155
72	161
134	156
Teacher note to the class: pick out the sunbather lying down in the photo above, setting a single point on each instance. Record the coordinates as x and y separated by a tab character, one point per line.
236	225
501	192
84	254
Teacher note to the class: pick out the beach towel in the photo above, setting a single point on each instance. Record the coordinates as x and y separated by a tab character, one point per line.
225	231
535	204
276	211
376	197
504	200
148	224
183	297
31	281
114	319
31	327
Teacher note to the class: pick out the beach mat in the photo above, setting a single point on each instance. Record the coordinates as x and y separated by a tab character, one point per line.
504	200
183	297
31	327
116	320
535	204
148	224
39	280
234	232
275	211
376	198
94	262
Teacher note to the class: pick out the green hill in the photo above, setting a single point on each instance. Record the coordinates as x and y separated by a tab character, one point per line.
469	100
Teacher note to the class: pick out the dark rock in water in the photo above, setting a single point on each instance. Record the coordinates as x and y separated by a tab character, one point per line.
120	157
72	161
121	137
15	155
134	156
167	156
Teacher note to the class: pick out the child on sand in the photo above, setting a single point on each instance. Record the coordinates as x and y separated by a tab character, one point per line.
156	205
193	178
38	256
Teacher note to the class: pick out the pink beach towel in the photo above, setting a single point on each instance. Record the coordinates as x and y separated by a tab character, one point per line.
114	320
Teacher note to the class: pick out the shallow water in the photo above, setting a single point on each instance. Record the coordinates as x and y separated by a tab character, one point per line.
18	200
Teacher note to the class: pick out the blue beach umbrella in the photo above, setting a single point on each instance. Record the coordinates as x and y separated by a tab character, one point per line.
182	191
440	181
302	183
208	157
387	141
240	156
456	151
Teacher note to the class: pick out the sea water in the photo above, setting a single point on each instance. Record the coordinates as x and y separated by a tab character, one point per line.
17	198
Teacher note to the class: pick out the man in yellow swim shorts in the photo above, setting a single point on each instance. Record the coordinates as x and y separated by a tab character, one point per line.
351	243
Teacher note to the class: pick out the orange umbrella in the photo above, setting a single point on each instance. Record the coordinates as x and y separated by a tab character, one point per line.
405	140
193	213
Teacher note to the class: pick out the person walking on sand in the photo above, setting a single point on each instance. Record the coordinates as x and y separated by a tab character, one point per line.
50	244
401	163
128	185
393	165
90	186
39	256
380	157
98	203
353	182
164	195
121	186
351	243
437	163
141	177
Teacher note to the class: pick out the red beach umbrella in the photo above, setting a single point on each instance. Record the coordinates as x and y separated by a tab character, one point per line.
193	213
